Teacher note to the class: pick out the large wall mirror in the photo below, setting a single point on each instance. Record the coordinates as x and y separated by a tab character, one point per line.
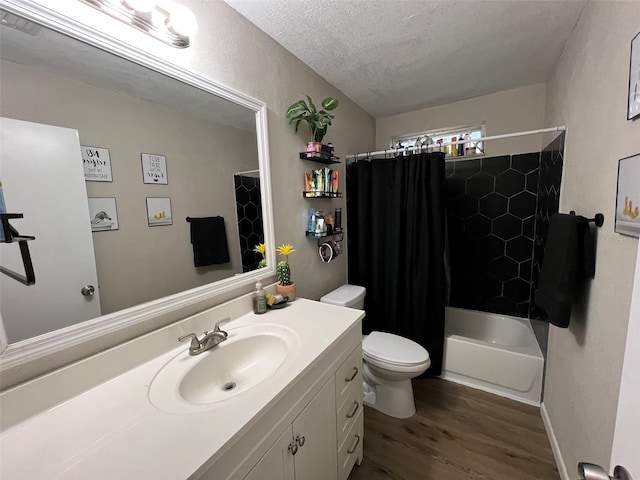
110	161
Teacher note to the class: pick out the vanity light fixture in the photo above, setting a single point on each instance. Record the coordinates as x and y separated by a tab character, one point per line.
170	23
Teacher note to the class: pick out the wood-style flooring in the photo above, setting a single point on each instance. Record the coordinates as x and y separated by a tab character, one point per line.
458	433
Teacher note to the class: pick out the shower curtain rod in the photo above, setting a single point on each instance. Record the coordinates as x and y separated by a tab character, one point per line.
559	128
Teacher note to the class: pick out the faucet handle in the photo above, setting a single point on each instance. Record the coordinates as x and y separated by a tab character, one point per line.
221	322
195	343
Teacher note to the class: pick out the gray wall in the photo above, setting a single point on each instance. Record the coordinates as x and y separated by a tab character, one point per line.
588	92
503	112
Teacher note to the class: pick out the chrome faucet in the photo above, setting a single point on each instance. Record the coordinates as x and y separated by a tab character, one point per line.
210	339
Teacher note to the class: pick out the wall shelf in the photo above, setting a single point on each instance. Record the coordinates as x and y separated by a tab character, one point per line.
337	231
319	194
319	157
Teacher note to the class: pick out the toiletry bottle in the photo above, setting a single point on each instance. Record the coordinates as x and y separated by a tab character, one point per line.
337	223
311	227
454	147
469	149
461	146
259	299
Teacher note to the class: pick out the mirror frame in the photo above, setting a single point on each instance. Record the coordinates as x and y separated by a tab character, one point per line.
16	354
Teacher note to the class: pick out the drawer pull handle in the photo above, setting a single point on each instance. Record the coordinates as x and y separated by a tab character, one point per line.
294	448
356	405
355	445
355	372
300	441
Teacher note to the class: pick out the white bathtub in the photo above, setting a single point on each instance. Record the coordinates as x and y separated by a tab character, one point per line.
495	353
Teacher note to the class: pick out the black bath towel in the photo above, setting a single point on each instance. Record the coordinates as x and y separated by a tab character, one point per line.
569	257
209	240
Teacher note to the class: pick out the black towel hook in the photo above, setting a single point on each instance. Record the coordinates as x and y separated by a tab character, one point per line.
598	218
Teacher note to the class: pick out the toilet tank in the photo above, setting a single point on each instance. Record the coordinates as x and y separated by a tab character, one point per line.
351	296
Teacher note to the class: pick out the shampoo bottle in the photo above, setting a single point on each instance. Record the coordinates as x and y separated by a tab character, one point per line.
259	299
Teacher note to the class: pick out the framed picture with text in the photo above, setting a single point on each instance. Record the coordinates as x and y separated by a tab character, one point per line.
634	79
154	169
97	164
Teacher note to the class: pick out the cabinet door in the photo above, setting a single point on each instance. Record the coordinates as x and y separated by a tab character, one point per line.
316	459
277	463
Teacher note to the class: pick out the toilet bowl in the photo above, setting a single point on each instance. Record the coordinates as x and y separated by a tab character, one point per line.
390	361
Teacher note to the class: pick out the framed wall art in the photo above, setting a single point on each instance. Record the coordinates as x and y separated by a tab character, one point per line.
154	169
97	164
628	198
103	214
159	211
633	111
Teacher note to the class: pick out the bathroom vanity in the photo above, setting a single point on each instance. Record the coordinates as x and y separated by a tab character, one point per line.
281	398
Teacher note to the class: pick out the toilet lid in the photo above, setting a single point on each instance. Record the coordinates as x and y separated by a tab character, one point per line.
394	349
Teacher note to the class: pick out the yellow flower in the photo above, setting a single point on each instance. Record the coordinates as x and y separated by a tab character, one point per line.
286	250
260	248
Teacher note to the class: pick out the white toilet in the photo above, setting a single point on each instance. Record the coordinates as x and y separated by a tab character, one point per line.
390	361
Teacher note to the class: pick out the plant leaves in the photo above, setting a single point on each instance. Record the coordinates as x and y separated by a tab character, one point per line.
296	108
330	103
312	107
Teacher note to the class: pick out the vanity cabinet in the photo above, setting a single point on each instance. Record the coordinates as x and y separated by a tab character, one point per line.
325	440
307	448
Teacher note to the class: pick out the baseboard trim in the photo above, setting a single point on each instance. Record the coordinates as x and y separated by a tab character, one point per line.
555	447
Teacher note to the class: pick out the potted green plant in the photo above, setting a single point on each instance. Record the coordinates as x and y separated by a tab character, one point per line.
318	120
285	286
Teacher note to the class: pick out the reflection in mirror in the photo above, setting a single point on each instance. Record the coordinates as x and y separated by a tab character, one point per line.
108	204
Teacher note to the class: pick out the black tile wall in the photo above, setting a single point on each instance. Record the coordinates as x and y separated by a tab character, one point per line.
551	162
491	214
249	209
498	211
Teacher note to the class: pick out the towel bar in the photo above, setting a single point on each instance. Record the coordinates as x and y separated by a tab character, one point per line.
598	219
11	235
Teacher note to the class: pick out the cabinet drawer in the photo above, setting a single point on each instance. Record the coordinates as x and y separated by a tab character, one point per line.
348	412
349	374
351	450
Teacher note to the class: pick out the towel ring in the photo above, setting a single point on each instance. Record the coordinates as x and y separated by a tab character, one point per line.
326	252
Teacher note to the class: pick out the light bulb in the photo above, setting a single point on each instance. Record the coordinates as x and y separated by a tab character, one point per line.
181	21
142	6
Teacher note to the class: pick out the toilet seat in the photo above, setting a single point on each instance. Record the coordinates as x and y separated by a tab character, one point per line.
393	351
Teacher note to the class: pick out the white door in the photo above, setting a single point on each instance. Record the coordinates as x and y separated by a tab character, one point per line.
626	438
43	178
626	441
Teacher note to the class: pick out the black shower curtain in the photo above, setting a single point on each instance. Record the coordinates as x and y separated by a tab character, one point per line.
396	225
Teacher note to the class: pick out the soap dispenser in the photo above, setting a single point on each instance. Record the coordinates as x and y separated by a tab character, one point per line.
259	299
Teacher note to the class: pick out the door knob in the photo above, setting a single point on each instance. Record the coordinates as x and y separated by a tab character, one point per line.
589	471
88	290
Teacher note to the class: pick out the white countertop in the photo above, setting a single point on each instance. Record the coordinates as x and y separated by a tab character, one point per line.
112	431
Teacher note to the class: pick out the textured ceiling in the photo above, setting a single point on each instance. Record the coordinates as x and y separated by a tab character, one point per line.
394	56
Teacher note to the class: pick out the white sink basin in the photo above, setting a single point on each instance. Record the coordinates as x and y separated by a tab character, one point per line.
249	356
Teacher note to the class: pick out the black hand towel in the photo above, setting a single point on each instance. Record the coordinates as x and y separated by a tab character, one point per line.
209	240
568	257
